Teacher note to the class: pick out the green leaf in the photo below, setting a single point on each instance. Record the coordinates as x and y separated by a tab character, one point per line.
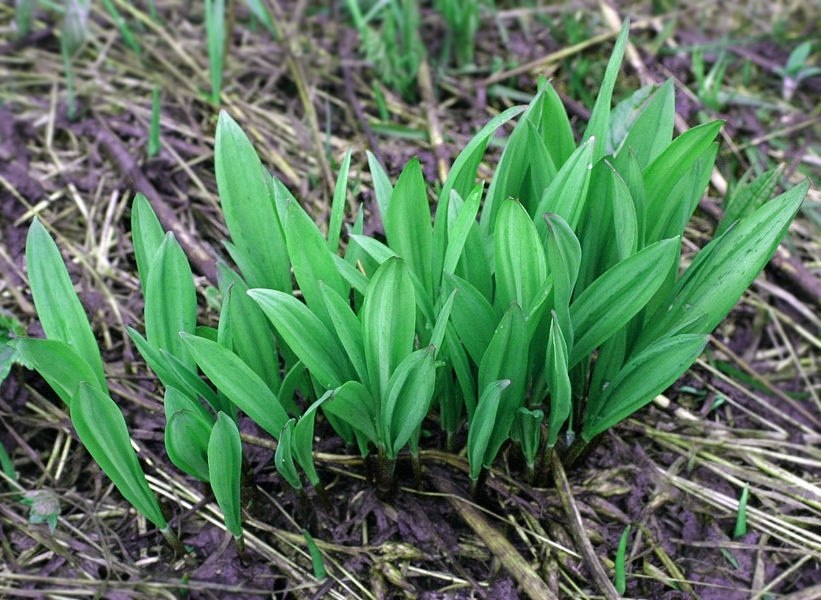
247	199
407	398
382	187
57	304
252	338
642	378
59	364
482	425
625	221
462	176
171	373
599	122
186	442
353	403
170	300
529	423
302	441
564	256
388	323
306	335
338	204
746	198
312	261
238	382
408	223
506	358
348	330
667	169
437	336
146	235
558	135
520	264
567	194
284	457
617	296
225	469
558	381
102	430
652	130
473	317
724	268
458	233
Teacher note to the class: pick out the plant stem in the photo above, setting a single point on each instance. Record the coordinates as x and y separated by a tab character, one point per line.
385	467
577	448
173	541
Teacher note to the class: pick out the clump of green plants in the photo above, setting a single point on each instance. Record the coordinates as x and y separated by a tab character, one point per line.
538	309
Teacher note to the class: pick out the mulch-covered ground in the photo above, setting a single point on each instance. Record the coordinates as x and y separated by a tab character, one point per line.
748	413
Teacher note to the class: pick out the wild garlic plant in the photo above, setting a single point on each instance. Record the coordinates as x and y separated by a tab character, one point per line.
542	309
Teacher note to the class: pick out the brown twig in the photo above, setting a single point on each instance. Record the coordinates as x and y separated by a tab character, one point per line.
198	254
437	141
532	585
577	531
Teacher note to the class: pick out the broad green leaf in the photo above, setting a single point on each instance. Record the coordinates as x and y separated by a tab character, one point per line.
306	335
348	330
353	403
170	300
374	248
388	323
382	187
567	194
408	224
458	233
59	364
146	235
724	268
437	335
303	440
352	276
506	358
57	304
238	382
186	442
295	377
175	400
667	169
312	261
102	430
624	217
599	121
338	204
284	456
513	167
555	126
652	130
558	381
171	373
407	398
462	176
622	117
252	338
617	296
520	264
473	317
529	423
644	376
458	358
247	200
564	256
225	469
482	425
747	197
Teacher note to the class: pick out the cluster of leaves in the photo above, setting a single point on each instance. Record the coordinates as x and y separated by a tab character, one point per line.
543	310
